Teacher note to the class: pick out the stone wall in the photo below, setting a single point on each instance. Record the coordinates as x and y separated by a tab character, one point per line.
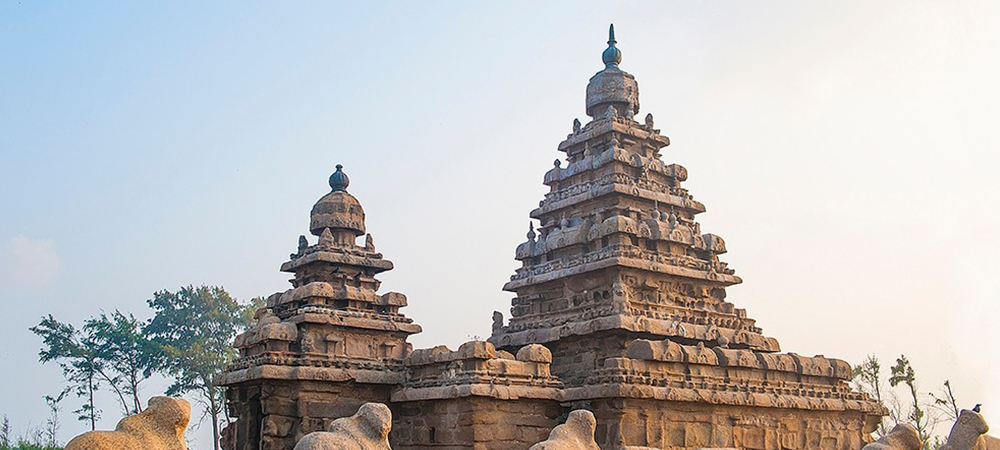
276	414
475	398
480	423
677	425
576	357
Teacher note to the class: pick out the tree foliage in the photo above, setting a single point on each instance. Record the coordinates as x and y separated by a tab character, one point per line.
34	438
903	373
867	378
75	352
52	423
189	339
921	410
126	354
5	432
194	328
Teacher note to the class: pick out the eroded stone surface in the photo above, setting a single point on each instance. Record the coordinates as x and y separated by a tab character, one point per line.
576	434
368	429
901	437
160	427
967	432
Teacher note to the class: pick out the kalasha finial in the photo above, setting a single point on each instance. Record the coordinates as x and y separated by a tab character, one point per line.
611	56
339	180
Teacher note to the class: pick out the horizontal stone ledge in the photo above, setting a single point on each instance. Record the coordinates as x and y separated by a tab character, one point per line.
476	390
599	127
625	390
641	324
622	261
339	258
308	373
340	318
665	199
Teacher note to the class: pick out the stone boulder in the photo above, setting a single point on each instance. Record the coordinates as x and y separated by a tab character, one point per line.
368	429
576	434
967	432
160	427
900	437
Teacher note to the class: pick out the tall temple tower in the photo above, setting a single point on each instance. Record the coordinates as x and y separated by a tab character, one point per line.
321	349
618	255
620	309
621	284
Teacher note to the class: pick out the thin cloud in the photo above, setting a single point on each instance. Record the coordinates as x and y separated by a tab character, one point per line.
30	262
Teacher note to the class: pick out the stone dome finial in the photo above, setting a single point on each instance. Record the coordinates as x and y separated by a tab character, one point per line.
611	56
612	86
339	180
338	210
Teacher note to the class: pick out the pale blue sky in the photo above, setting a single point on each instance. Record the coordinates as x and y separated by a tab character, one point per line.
846	151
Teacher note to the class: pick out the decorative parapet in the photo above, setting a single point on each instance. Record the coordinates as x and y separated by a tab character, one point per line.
322	298
337	255
623	256
477	369
610	318
666	370
670	351
269	333
621	125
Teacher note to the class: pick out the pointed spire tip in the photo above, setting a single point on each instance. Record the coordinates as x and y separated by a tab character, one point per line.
611	56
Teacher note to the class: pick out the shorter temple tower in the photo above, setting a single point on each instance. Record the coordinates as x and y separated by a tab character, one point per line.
321	349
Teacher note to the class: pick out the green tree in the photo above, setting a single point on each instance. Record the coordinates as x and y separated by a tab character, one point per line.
194	329
126	354
867	378
5	432
903	373
76	354
106	350
52	423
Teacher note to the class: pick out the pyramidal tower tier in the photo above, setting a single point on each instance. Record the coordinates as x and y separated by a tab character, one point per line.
618	254
327	345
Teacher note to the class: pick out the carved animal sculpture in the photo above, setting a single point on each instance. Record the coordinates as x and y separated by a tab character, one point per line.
160	427
900	437
368	429
967	432
576	434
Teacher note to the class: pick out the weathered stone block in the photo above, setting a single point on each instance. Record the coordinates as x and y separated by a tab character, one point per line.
698	435
277	426
534	353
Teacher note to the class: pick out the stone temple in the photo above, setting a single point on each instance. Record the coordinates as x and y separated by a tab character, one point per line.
620	308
